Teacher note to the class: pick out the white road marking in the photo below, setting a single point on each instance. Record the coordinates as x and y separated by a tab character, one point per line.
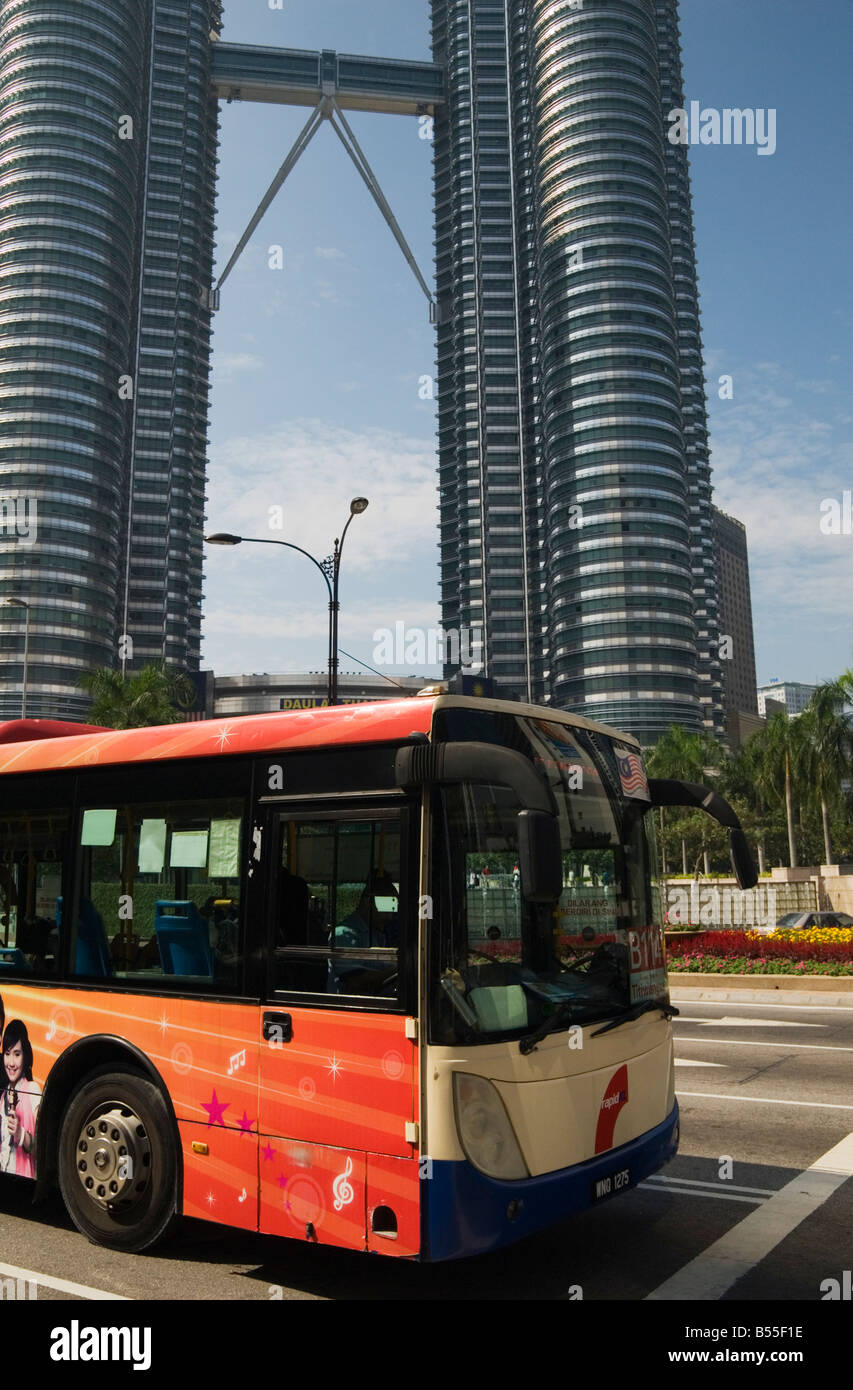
721	1182
48	1281
693	1192
764	1100
714	1272
756	1042
685	1062
733	1022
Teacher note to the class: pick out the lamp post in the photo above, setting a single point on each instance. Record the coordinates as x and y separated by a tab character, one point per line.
330	568
22	603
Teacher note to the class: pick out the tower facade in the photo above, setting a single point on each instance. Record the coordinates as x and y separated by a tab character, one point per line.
107	152
573	457
732	564
575	485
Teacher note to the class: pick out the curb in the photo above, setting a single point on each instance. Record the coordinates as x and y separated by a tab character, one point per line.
814	984
820	991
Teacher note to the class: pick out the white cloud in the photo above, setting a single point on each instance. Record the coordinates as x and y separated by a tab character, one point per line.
774	462
228	365
329	253
267	608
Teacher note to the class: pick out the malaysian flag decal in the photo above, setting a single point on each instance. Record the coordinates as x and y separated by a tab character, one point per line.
631	773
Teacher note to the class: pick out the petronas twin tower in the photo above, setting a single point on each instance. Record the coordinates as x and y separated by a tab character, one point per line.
573	460
574	475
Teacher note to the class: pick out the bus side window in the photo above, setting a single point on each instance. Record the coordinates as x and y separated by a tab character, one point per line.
32	848
335	907
160	897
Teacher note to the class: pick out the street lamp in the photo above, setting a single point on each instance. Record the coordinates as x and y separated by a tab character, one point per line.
22	603
330	568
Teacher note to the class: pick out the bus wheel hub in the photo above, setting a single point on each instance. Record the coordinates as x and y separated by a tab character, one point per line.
114	1157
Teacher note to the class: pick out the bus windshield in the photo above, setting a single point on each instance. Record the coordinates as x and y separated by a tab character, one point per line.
500	966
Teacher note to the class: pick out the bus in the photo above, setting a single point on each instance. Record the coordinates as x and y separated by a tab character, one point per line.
388	977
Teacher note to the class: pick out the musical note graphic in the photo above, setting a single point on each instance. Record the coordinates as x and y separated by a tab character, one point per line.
343	1188
61	1025
244	1194
237	1061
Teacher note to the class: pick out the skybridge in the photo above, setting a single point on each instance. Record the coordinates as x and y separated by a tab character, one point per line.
300	77
330	83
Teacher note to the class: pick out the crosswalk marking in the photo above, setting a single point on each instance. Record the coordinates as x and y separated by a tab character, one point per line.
711	1274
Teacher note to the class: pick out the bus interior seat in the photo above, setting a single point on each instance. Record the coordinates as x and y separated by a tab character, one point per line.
93	954
13	959
183	939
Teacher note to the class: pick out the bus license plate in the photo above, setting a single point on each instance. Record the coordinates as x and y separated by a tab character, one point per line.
614	1182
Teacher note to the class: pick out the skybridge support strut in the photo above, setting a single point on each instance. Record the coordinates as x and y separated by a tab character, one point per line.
327	109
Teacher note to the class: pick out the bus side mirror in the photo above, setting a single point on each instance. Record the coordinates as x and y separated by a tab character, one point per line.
540	857
742	861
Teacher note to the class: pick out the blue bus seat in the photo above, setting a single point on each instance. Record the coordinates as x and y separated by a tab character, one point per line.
13	959
183	939
93	954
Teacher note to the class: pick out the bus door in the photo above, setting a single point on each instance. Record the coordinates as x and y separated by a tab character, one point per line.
339	1078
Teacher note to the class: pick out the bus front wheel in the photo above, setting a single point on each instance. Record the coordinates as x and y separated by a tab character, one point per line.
118	1161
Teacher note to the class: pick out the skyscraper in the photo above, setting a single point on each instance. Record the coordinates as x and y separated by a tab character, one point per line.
574	475
107	149
732	561
573	459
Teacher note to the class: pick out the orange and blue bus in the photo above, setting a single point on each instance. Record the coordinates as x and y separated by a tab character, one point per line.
386	977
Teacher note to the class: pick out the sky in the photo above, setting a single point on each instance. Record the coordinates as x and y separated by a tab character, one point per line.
321	346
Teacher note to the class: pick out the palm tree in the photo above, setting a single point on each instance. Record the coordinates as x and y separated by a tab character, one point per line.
826	751
684	757
777	755
154	695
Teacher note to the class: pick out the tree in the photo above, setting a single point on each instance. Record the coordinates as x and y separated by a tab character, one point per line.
825	753
777	754
685	757
154	695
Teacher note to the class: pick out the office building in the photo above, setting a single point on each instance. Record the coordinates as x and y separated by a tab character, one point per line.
792	696
107	145
573	460
573	456
737	642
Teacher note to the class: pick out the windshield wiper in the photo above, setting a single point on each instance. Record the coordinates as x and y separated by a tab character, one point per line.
635	1011
548	1025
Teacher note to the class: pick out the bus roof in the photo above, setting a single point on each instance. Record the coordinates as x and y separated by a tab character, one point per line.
48	745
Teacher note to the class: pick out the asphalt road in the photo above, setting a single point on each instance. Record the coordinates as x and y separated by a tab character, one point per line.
741	1214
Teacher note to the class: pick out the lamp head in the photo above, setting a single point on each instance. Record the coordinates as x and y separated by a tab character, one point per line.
358	505
222	538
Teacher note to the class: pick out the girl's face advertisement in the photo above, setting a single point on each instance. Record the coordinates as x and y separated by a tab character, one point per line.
14	1063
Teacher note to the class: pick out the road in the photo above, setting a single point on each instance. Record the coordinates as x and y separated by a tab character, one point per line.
765	1094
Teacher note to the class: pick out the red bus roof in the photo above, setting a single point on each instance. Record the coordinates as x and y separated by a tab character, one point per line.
26	730
52	744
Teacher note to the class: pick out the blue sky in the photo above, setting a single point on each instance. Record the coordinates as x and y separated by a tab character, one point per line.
317	365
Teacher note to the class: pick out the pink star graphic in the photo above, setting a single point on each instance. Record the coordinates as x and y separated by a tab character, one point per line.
281	1180
246	1124
268	1153
215	1109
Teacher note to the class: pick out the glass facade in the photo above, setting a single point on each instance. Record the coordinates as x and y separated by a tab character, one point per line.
574	475
575	491
107	169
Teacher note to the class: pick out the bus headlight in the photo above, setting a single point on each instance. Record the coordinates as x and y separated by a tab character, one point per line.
485	1132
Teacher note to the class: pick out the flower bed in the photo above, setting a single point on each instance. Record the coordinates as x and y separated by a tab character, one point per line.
746	953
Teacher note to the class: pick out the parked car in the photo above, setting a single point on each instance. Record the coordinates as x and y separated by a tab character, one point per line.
801	921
